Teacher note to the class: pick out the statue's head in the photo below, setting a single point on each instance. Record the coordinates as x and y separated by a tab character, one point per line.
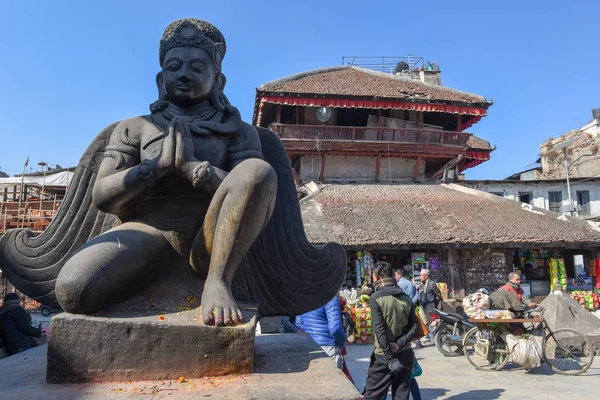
191	53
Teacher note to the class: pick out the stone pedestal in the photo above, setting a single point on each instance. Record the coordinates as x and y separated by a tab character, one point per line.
129	347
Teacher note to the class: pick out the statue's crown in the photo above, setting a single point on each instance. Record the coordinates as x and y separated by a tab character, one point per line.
192	32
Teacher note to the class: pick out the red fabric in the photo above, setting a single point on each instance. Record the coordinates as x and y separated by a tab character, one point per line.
471	122
346	371
346	103
598	273
509	288
478	155
470	164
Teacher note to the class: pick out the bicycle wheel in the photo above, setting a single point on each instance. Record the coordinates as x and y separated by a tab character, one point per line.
568	352
485	349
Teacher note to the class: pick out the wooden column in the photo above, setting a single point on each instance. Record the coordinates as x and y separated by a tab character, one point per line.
323	162
379	135
278	113
420	119
416	170
458	123
377	167
297	115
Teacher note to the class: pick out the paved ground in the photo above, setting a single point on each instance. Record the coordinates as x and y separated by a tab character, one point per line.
454	378
286	367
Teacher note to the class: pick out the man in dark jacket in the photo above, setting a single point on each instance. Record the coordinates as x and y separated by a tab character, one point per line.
430	297
324	325
15	328
394	324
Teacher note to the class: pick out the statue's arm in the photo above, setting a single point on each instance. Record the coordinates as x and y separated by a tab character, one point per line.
247	146
122	180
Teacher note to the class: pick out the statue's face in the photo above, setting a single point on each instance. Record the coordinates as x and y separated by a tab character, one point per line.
188	75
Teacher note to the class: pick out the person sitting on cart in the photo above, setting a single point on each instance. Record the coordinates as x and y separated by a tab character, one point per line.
514	285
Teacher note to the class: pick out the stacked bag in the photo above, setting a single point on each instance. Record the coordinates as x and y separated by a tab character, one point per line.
476	304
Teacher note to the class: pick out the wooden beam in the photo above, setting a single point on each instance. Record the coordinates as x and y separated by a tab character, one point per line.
450	164
458	123
278	113
377	167
416	170
323	162
420	119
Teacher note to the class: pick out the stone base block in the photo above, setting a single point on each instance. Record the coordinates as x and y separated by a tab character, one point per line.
122	347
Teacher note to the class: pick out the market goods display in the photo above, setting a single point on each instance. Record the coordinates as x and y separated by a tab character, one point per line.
587	299
362	318
558	273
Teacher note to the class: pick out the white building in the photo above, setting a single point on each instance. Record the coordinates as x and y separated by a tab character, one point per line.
548	194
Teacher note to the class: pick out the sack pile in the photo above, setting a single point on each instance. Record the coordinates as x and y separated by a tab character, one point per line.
476	304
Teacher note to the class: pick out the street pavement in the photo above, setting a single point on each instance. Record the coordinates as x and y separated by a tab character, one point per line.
454	378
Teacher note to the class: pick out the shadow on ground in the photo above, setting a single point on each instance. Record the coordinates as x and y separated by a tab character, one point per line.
432	393
482	394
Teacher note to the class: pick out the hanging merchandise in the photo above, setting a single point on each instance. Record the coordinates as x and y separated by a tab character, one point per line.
358	267
368	264
418	258
530	256
558	273
434	264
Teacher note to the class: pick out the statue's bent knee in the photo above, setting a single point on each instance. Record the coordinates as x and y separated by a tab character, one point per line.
257	172
82	289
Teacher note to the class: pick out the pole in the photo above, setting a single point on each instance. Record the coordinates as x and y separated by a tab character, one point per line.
42	192
568	182
23	181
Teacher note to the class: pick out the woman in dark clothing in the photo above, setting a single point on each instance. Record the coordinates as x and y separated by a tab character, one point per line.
15	329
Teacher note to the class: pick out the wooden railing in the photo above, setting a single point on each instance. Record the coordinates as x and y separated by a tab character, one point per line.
363	133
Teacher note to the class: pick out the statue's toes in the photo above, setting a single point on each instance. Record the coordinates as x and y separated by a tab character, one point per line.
235	314
219	320
240	316
227	314
209	319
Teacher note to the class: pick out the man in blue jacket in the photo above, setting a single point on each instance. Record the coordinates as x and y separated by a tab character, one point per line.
402	275
324	325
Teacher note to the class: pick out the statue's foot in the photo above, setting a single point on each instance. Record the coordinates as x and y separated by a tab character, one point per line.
218	306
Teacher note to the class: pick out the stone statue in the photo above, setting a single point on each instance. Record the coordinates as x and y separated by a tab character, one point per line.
192	183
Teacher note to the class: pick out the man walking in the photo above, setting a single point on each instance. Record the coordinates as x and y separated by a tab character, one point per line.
430	297
394	325
406	285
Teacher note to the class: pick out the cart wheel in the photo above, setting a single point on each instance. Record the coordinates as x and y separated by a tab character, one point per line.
568	352
485	350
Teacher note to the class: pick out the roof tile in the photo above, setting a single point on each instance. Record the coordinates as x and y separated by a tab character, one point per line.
355	81
421	215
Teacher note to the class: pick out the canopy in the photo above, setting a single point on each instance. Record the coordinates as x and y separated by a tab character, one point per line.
60	179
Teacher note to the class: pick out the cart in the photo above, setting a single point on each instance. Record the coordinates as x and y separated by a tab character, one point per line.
567	351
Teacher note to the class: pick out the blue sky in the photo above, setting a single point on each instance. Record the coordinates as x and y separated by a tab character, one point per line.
69	68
